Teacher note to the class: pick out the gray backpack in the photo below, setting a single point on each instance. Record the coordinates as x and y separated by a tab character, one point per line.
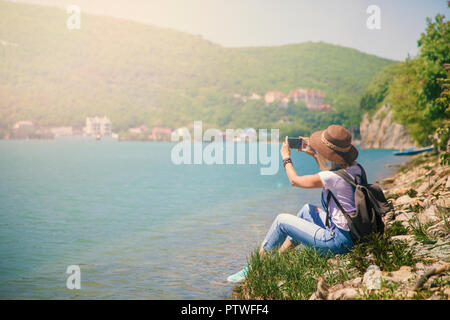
370	203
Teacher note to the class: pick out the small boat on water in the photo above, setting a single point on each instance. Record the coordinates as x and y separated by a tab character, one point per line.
412	151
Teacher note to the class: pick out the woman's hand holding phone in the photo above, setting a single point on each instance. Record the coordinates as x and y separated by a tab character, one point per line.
285	150
306	148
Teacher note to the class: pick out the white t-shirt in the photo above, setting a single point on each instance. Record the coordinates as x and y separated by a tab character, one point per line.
343	191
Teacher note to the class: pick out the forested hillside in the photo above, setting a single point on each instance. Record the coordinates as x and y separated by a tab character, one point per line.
139	74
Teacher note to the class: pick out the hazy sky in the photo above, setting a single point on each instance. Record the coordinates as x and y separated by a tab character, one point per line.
239	23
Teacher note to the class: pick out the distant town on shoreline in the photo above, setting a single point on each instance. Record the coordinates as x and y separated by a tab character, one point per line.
102	127
312	99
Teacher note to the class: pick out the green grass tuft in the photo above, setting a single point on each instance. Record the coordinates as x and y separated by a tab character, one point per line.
445	214
290	275
397	229
382	251
411	193
419	230
386	292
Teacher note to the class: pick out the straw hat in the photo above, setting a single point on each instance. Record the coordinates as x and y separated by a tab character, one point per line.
335	144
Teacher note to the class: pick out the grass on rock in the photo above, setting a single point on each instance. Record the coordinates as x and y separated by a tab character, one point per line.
290	275
383	251
293	274
397	229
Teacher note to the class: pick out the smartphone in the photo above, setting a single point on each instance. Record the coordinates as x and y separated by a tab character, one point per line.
295	143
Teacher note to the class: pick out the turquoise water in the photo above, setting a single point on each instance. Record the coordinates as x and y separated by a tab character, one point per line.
138	226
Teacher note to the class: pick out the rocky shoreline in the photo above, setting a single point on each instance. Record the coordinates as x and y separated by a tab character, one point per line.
411	260
420	193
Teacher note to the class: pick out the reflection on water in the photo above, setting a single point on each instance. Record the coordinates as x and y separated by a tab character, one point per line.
138	226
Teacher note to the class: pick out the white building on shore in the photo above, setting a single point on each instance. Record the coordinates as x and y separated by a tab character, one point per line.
98	127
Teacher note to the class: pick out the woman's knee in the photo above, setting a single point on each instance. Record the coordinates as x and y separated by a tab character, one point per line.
283	217
284	220
306	210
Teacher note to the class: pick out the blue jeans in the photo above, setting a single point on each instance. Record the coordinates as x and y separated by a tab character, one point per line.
308	228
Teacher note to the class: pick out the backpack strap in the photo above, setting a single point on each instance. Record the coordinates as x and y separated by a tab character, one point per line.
353	182
363	174
344	175
329	195
327	219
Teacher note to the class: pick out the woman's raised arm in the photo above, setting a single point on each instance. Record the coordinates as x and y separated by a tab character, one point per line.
307	181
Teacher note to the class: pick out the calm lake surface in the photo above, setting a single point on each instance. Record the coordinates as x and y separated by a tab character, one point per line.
138	226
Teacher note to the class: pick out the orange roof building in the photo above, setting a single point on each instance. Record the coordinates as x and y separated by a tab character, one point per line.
272	96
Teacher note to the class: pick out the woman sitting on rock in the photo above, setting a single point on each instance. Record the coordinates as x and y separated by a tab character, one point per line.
309	227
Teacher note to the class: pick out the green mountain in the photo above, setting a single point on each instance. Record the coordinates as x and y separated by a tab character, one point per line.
136	73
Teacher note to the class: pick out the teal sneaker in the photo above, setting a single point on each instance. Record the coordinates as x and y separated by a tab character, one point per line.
239	276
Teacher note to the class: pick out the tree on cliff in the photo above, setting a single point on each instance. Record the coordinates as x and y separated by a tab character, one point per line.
434	54
413	88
